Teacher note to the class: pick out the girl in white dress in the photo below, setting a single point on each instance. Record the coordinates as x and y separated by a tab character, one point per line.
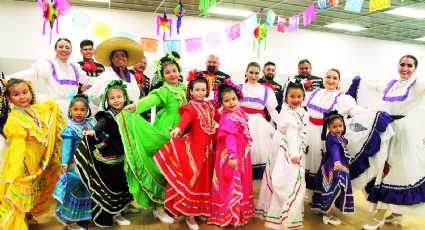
60	76
367	133
400	185
256	98
281	200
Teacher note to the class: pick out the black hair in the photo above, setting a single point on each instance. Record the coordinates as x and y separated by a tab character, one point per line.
199	79
294	85
225	88
112	55
329	119
335	70
14	81
175	54
86	42
410	56
62	39
119	87
167	61
83	98
255	64
304	61
269	63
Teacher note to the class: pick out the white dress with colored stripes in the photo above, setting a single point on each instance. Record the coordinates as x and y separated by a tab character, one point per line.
281	199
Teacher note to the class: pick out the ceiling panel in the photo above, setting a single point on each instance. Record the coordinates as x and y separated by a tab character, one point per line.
379	24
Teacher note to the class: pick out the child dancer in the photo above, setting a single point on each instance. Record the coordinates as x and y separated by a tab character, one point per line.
333	184
187	162
232	200
31	165
146	181
281	199
256	98
74	200
101	164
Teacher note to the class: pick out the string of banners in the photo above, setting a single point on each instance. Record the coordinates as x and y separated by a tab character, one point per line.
53	9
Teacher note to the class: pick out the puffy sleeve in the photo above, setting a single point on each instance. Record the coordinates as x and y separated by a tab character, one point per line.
40	70
374	86
420	85
287	124
84	79
15	134
186	116
334	150
348	106
271	104
228	130
68	136
98	89
102	123
157	97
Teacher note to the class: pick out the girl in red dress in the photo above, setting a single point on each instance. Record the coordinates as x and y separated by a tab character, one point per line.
187	162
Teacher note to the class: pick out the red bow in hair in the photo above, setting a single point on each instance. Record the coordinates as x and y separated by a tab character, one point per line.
89	66
193	75
139	77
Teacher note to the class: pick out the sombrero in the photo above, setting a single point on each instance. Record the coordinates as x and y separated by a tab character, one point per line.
103	51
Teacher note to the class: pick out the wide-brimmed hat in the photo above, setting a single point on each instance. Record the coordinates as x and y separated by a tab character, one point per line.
103	51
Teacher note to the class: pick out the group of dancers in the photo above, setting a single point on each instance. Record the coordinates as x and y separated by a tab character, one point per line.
199	157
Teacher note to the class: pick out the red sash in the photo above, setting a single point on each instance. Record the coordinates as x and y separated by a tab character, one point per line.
253	111
316	121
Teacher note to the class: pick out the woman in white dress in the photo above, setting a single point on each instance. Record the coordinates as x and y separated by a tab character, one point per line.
256	98
60	76
400	185
367	133
116	54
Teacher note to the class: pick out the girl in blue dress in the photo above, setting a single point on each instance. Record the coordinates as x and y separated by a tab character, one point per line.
74	201
333	184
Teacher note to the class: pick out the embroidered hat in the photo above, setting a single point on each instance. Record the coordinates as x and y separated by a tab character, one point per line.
104	50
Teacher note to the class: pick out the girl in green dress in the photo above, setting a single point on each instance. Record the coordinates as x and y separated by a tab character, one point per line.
142	141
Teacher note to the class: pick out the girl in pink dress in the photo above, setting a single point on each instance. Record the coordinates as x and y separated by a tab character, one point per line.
232	200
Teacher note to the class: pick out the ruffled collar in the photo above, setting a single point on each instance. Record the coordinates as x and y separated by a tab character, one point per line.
59	61
80	126
240	117
179	91
398	90
325	100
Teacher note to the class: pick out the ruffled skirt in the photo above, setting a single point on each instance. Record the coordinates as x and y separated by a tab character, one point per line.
400	184
74	200
281	199
104	178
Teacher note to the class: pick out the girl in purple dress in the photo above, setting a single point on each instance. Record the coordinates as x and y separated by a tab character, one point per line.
333	185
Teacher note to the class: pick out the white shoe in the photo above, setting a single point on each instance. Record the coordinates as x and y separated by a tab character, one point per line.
191	226
328	220
75	226
379	225
393	218
163	218
124	222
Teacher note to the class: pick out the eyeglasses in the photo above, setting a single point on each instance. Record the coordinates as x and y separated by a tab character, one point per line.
408	65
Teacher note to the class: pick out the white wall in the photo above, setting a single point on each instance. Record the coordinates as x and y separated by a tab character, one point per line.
21	38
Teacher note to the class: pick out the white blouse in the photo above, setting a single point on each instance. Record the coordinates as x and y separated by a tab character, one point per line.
98	88
257	96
